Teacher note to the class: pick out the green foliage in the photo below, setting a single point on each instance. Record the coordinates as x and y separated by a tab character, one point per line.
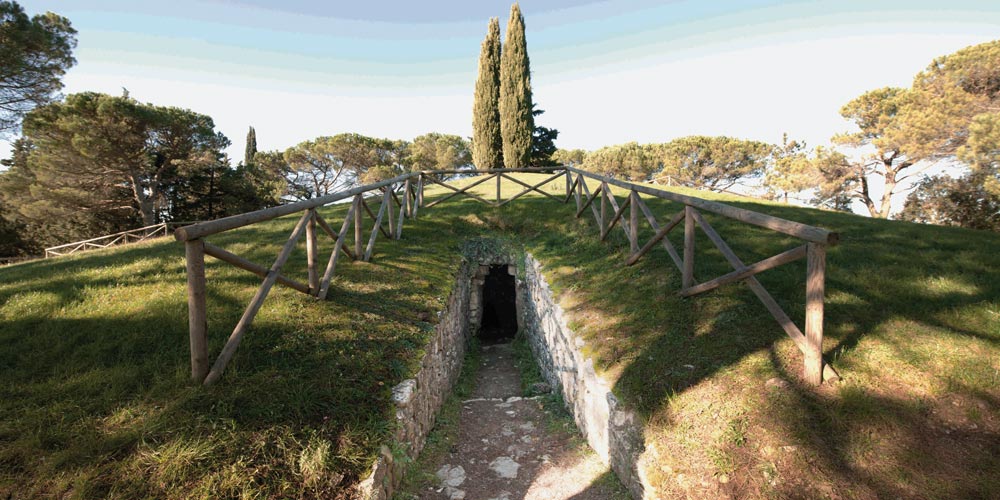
34	54
321	166
314	168
251	147
14	241
881	147
435	151
911	322
95	164
631	161
572	157
487	143
113	155
713	163
964	202
543	144
266	177
791	172
982	150
949	94
945	112
516	120
15	233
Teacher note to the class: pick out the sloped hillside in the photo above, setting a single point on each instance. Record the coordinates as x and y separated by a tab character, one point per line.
95	400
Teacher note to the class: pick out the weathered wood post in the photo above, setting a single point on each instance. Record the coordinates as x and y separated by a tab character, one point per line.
815	289
498	187
604	209
392	219
569	184
194	250
633	221
420	190
579	191
358	229
405	200
687	274
311	253
415	204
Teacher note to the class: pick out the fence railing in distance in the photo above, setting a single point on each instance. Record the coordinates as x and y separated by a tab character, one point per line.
816	240
400	198
122	238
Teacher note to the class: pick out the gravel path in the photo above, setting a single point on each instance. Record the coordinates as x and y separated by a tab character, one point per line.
511	448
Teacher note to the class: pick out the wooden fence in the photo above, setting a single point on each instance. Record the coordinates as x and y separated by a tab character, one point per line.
406	192
122	238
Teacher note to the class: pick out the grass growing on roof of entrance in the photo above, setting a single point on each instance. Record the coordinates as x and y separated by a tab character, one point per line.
94	400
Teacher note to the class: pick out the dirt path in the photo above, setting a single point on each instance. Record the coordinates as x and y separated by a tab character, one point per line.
512	448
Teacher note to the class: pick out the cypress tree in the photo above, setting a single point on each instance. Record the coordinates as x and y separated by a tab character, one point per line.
487	145
516	121
251	148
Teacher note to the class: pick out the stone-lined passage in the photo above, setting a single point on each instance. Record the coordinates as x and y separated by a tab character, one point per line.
613	431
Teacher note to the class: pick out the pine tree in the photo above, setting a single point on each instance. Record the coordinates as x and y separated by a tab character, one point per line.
251	148
516	121
487	144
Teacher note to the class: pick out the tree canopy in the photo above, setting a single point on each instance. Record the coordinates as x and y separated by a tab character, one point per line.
487	143
704	162
631	161
946	201
251	146
952	111
543	143
715	163
516	119
35	53
435	151
100	154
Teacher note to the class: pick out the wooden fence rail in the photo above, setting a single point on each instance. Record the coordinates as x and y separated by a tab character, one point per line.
814	250
110	240
407	193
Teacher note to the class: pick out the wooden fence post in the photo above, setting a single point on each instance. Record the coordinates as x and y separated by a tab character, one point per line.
633	220
420	190
579	191
498	187
815	289
569	184
311	253
194	250
687	275
358	233
392	220
604	208
415	204
404	201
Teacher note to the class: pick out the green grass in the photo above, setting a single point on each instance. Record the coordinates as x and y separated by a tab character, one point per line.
95	402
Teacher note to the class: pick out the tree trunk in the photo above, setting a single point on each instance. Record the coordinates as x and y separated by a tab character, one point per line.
866	197
890	187
144	201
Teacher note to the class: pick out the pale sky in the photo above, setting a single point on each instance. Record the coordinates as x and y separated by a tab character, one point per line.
605	72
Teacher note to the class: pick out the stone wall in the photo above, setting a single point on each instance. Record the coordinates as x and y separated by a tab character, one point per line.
419	399
613	431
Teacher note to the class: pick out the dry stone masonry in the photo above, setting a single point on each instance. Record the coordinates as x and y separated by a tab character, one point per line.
419	399
614	432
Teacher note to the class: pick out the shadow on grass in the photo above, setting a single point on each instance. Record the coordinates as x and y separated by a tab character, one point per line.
94	363
904	286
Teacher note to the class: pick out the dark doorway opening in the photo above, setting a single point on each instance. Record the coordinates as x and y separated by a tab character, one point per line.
499	323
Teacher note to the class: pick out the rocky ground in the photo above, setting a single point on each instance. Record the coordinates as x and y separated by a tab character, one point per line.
510	447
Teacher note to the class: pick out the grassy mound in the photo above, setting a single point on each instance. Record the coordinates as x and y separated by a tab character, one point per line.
95	400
